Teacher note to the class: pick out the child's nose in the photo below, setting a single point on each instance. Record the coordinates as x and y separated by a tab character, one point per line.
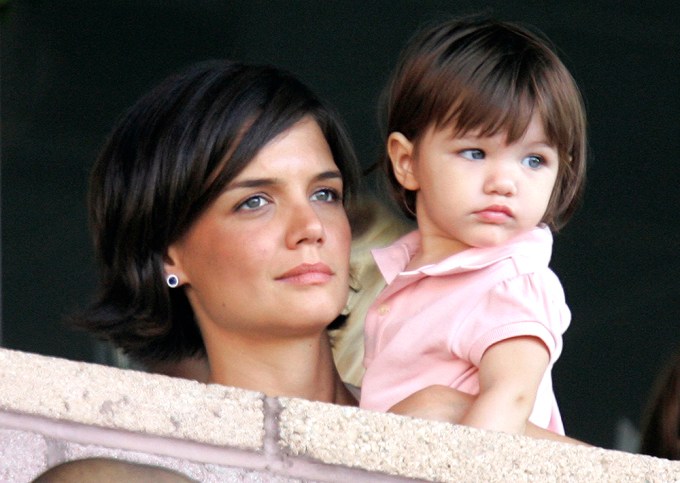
501	180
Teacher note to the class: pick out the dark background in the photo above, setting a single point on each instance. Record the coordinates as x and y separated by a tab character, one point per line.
69	68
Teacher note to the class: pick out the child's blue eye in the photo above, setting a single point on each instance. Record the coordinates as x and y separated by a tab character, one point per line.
253	203
326	194
533	162
472	154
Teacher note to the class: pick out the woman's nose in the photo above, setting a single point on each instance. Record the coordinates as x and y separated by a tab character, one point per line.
305	226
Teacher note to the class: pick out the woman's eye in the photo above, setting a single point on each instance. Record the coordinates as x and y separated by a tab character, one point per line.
472	154
253	203
327	195
533	162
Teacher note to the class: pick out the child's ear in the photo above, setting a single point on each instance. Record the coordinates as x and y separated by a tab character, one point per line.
400	151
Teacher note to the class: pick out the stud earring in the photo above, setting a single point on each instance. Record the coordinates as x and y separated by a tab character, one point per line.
172	281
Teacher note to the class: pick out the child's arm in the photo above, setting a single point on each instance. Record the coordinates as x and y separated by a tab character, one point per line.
509	375
436	403
442	403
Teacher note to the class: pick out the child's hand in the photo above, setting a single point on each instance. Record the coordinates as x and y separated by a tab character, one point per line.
437	403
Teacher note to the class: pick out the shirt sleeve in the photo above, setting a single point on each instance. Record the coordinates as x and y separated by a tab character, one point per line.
527	305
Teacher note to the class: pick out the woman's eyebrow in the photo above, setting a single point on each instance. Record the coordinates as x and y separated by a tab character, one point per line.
335	174
252	183
261	182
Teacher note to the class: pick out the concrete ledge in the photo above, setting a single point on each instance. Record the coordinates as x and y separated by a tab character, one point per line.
443	452
53	410
113	398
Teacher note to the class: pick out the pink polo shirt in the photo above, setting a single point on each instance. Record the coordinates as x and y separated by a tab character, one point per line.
432	325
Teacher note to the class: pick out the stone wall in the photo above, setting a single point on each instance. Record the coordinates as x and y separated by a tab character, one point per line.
54	410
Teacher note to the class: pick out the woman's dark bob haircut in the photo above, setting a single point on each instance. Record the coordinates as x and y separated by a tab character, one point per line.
487	76
169	157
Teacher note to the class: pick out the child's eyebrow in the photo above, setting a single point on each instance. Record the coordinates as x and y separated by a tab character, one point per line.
542	143
468	134
473	138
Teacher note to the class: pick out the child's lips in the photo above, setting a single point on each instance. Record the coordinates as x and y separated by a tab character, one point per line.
495	214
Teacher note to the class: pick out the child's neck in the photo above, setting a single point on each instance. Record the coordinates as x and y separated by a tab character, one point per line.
433	250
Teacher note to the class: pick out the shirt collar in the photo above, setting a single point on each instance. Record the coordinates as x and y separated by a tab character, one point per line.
529	249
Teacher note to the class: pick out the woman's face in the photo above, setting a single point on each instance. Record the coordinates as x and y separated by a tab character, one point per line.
269	257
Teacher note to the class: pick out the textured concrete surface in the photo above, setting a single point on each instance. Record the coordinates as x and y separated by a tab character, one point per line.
130	400
23	455
53	410
443	452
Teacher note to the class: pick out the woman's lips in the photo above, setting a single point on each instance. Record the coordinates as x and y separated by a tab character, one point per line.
307	274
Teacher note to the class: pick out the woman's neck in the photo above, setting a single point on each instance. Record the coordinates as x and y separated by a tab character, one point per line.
288	367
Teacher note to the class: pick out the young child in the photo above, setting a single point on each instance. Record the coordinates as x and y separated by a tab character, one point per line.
486	148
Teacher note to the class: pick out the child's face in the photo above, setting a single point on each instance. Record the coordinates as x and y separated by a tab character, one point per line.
479	191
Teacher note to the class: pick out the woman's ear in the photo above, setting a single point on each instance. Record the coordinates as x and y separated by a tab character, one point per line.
401	153
172	264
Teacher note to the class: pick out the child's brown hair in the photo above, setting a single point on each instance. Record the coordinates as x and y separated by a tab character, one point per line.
491	77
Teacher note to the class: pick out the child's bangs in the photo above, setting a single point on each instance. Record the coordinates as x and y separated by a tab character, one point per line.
489	106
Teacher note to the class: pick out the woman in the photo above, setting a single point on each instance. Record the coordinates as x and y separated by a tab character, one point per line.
217	209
